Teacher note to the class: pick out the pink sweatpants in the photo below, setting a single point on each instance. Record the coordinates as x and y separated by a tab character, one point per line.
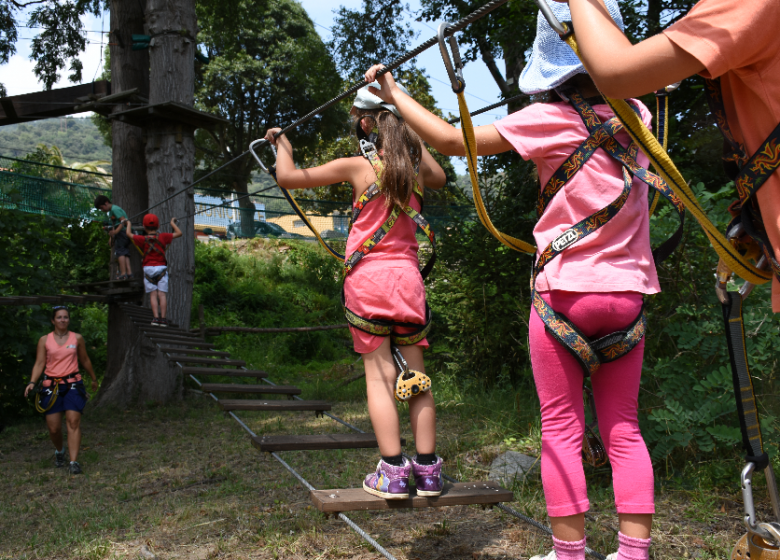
559	376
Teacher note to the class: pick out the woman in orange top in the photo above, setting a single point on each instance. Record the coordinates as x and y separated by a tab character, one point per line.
60	352
735	42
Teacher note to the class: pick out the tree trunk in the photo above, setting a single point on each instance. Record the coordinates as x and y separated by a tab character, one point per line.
129	69
170	147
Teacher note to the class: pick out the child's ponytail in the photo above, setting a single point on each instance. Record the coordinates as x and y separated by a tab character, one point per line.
401	152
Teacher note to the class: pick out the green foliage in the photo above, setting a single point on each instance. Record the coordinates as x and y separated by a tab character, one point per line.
478	290
276	284
77	139
369	35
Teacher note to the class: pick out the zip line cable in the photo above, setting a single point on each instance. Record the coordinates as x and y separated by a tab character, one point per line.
491	107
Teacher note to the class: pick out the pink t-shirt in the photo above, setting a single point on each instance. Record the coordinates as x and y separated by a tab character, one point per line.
617	257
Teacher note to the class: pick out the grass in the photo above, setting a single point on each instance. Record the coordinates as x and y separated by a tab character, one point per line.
184	482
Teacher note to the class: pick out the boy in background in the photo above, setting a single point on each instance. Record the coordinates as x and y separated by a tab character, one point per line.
117	236
153	246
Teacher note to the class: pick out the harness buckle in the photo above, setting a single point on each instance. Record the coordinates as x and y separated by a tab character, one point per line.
455	71
367	148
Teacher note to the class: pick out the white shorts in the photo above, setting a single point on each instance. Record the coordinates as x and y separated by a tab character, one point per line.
162	283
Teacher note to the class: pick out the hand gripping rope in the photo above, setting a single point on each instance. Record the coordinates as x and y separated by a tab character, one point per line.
763	539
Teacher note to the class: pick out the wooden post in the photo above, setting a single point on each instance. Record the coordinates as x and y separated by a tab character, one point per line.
202	321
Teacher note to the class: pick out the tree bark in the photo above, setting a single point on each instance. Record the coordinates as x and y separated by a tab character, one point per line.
170	147
129	69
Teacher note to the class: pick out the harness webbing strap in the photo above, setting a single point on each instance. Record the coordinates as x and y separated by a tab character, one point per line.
153	245
376	326
743	384
666	168
470	145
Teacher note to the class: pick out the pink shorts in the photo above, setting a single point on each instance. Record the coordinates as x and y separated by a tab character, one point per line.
390	290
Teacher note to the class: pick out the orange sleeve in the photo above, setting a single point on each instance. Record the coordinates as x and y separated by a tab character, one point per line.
726	34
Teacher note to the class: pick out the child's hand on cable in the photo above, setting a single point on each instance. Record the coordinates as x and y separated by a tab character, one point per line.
270	135
173	221
386	81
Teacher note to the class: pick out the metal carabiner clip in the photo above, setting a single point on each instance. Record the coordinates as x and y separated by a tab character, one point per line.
455	71
561	29
258	143
770	532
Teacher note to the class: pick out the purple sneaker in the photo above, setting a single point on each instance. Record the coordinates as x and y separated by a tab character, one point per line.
427	478
389	482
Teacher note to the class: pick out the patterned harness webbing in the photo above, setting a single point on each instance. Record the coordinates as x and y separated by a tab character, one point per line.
753	173
376	326
592	353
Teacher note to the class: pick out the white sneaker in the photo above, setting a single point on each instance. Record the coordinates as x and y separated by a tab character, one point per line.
550	556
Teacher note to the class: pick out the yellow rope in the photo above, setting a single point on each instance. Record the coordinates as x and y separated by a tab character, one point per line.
666	169
470	145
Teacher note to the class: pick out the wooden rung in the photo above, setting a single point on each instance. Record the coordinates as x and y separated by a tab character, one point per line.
275	406
194	352
256	389
319	441
180	341
149	330
458	494
230	372
212	361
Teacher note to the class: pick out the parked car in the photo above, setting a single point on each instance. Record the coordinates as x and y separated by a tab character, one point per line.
262	229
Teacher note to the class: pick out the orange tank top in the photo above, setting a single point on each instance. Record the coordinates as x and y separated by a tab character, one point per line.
61	361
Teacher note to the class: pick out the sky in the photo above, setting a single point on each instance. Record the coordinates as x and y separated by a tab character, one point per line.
481	89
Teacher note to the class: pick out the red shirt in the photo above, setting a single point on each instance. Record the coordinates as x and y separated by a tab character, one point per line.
152	257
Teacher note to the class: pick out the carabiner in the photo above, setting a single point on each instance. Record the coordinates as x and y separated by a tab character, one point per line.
259	142
455	71
767	531
560	28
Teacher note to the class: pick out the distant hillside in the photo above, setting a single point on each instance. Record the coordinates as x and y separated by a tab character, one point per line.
78	139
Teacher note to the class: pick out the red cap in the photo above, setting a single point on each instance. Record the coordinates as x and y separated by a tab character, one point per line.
151	221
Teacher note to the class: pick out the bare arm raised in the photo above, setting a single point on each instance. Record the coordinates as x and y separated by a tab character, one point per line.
639	69
444	137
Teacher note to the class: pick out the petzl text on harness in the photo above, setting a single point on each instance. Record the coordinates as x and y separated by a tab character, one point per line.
409	382
415	332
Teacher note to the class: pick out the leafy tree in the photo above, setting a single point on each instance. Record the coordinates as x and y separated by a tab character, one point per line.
267	67
58	44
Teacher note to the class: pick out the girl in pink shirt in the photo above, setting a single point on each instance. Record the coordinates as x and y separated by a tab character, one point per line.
734	42
384	295
597	281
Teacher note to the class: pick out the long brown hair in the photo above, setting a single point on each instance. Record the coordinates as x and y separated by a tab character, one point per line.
401	152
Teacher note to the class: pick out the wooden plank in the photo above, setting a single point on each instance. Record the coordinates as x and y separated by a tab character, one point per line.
192	352
230	372
147	327
180	341
169	111
273	406
254	389
458	494
212	361
319	441
47	104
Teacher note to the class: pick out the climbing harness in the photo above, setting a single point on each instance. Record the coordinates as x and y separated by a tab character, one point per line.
590	354
593	451
153	245
409	382
753	173
415	332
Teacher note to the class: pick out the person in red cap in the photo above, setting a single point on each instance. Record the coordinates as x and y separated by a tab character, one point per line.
153	245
